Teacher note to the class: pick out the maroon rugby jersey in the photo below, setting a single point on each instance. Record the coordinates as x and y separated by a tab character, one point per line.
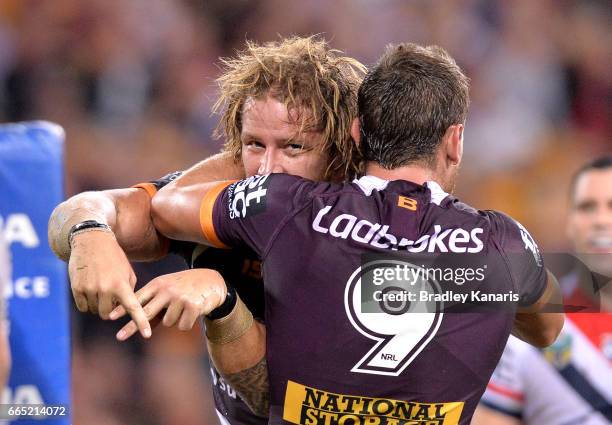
340	348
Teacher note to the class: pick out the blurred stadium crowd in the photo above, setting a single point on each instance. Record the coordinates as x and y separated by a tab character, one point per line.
132	82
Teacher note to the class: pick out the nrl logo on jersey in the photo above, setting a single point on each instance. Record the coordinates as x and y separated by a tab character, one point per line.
248	197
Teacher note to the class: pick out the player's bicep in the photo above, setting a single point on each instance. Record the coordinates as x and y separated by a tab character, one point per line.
537	288
523	258
176	211
228	214
132	213
132	224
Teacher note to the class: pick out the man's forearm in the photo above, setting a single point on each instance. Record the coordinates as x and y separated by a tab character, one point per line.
237	348
221	166
253	387
126	211
175	208
81	207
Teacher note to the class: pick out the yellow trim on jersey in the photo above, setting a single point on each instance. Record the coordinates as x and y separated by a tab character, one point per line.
206	214
310	406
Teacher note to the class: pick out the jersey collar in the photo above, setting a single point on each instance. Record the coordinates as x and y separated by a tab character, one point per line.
369	183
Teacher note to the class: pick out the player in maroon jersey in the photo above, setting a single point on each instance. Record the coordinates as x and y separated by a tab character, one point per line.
261	136
335	356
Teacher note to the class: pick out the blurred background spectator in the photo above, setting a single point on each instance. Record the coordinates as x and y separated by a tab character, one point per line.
132	82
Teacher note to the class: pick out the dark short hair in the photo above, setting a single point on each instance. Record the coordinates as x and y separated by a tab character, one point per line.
599	163
408	101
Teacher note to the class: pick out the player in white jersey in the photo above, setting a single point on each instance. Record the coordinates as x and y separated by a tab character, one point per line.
567	383
571	381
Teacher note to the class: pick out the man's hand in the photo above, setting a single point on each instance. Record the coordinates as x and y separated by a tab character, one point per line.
185	295
101	276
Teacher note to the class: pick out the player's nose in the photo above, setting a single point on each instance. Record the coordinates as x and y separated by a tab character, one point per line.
602	219
271	163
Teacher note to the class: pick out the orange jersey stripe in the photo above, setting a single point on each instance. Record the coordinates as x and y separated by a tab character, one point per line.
151	190
148	187
206	214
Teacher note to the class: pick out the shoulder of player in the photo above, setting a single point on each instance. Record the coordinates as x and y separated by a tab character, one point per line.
503	231
454	204
501	223
460	214
302	189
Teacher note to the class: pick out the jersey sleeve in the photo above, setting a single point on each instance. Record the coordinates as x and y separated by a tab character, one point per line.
249	212
505	392
522	256
170	246
151	187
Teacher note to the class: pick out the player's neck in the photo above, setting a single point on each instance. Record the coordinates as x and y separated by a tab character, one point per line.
413	173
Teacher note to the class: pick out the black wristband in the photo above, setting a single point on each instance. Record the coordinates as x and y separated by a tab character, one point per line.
227	306
87	224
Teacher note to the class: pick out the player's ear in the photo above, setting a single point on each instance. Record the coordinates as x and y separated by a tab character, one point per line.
356	131
453	143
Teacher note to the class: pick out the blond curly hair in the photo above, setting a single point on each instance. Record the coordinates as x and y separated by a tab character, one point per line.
308	77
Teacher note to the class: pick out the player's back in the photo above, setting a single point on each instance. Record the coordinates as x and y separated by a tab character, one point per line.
341	339
340	348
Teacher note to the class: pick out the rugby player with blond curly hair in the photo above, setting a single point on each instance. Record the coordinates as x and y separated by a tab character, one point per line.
285	106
